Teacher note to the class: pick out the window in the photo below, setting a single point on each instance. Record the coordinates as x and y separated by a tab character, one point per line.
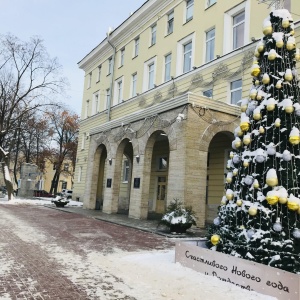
168	67
125	170
79	174
208	93
109	66
187	57
136	47
66	167
236	91
153	35
133	85
63	185
119	90
95	103
122	53
170	25
99	73
87	108
151	76
162	163
107	97
210	45
238	30
189	10
89	83
211	2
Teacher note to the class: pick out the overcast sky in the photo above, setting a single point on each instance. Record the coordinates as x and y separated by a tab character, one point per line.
70	29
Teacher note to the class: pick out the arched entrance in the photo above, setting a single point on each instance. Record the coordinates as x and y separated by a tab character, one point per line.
218	153
158	146
124	159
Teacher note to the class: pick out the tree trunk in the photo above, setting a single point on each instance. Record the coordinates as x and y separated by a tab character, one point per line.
5	170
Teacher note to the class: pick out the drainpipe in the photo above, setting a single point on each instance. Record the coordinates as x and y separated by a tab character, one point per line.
112	74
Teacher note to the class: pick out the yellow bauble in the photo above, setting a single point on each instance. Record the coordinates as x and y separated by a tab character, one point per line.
231	154
292	32
253	94
245	126
261	47
270	107
288	77
294	140
272	200
238	144
229	180
267	30
293	205
244	108
235	172
266	80
279	44
257	54
240	133
246	140
285	23
229	196
261	130
223	202
239	202
272	181
290	46
257	82
242	227
255	71
215	239
278	85
252	211
282	200
257	116
246	164
297	56
256	185
289	109
271	56
277	124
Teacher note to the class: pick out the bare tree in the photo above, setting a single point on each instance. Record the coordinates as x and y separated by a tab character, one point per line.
65	127
28	78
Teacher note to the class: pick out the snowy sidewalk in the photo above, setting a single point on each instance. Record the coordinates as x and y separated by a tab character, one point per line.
50	254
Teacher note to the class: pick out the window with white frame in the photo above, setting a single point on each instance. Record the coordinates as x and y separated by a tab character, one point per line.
187	57
95	103
133	84
210	2
83	141
185	54
122	54
170	24
107	98
210	45
118	90
87	108
79	174
153	34
168	59
109	70
98	73
238	30
136	47
125	170
235	91
189	10
236	27
208	93
149	74
163	163
89	79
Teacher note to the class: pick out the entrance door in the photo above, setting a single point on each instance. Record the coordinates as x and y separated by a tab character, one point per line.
161	194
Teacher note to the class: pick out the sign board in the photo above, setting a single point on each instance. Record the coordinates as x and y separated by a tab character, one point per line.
243	273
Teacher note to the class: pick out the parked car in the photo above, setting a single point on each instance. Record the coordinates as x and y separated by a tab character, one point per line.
42	193
67	193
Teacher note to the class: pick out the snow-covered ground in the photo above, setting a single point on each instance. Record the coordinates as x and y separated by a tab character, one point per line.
146	275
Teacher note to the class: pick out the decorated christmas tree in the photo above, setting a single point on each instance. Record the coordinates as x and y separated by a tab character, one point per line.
259	216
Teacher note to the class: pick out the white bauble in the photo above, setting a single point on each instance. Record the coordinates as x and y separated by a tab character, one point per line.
250	233
296	233
248	180
286	155
236	159
277	226
217	221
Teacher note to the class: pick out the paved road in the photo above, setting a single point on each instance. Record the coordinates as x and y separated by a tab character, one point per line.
47	254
